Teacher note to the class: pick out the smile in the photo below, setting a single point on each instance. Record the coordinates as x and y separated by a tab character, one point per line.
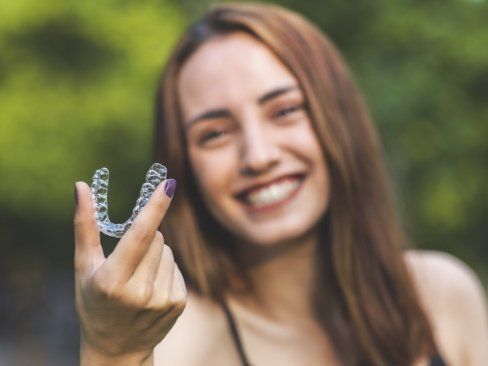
272	194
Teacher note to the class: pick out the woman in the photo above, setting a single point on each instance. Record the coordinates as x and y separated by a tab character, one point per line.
283	225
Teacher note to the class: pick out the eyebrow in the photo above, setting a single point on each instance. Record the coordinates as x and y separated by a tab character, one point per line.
222	112
275	93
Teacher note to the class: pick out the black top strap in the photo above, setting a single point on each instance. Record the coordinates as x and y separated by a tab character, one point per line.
434	361
437	361
235	335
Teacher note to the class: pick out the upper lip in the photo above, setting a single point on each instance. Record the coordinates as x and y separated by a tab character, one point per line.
263	183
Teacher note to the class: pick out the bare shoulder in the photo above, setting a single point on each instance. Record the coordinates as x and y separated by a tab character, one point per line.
195	335
445	265
455	302
443	275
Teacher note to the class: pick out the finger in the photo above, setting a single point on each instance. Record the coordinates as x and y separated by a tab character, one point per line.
179	286
163	282
173	306
168	304
88	249
146	272
177	295
136	241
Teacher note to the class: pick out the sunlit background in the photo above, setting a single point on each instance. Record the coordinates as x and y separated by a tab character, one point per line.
77	85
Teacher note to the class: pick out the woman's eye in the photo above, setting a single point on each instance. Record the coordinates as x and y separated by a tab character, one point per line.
211	136
285	112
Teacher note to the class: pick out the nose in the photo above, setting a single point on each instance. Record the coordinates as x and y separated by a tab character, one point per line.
259	153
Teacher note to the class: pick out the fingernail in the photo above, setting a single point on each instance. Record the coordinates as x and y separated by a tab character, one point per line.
169	187
76	195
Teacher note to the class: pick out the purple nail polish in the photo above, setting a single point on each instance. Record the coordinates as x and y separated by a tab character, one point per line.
169	187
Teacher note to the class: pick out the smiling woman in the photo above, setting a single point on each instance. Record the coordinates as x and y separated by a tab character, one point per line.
271	183
283	224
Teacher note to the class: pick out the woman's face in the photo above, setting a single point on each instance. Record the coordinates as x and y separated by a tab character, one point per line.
252	149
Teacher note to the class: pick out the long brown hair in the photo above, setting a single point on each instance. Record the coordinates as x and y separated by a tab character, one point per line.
364	298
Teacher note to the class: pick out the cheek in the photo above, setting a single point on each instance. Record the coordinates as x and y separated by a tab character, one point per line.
306	143
212	171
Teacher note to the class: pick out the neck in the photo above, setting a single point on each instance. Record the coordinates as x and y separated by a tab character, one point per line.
282	277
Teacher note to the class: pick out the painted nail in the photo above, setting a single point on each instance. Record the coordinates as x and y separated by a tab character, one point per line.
169	187
76	195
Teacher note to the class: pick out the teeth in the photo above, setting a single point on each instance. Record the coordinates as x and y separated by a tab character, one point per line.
272	193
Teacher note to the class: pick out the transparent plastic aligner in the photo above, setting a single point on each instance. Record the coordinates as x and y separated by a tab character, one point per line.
155	175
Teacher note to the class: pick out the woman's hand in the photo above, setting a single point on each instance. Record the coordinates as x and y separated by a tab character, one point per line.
128	301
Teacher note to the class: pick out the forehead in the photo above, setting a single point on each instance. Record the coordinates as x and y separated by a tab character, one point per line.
228	70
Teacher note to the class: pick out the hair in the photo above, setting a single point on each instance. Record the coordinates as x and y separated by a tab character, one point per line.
364	298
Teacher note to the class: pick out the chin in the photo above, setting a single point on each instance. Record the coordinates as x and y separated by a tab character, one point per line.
276	236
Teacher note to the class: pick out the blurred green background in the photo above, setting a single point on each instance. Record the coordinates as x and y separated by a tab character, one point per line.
77	85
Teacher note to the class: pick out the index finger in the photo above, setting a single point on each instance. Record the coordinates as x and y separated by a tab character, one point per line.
134	244
88	250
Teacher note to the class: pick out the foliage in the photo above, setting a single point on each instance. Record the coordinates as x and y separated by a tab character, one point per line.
77	82
423	69
76	93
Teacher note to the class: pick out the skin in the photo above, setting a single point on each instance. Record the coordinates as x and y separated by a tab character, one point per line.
255	138
126	302
255	142
277	325
248	145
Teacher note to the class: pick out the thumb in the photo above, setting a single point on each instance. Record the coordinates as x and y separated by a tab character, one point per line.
88	249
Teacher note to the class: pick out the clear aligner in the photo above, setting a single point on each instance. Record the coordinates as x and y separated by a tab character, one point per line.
99	188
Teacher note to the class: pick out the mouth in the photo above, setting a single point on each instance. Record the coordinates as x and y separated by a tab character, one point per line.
273	194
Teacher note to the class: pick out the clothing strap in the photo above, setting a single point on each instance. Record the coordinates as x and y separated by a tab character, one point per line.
235	335
434	361
437	361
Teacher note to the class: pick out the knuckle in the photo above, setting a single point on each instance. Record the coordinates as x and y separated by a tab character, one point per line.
178	306
142	295
142	232
80	220
164	300
106	288
137	297
160	308
178	300
172	308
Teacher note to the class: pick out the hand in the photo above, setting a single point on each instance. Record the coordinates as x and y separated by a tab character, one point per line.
129	301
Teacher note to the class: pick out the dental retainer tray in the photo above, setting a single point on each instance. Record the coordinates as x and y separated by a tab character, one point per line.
155	175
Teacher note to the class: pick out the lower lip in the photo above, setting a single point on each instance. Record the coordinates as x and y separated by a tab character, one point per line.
274	205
